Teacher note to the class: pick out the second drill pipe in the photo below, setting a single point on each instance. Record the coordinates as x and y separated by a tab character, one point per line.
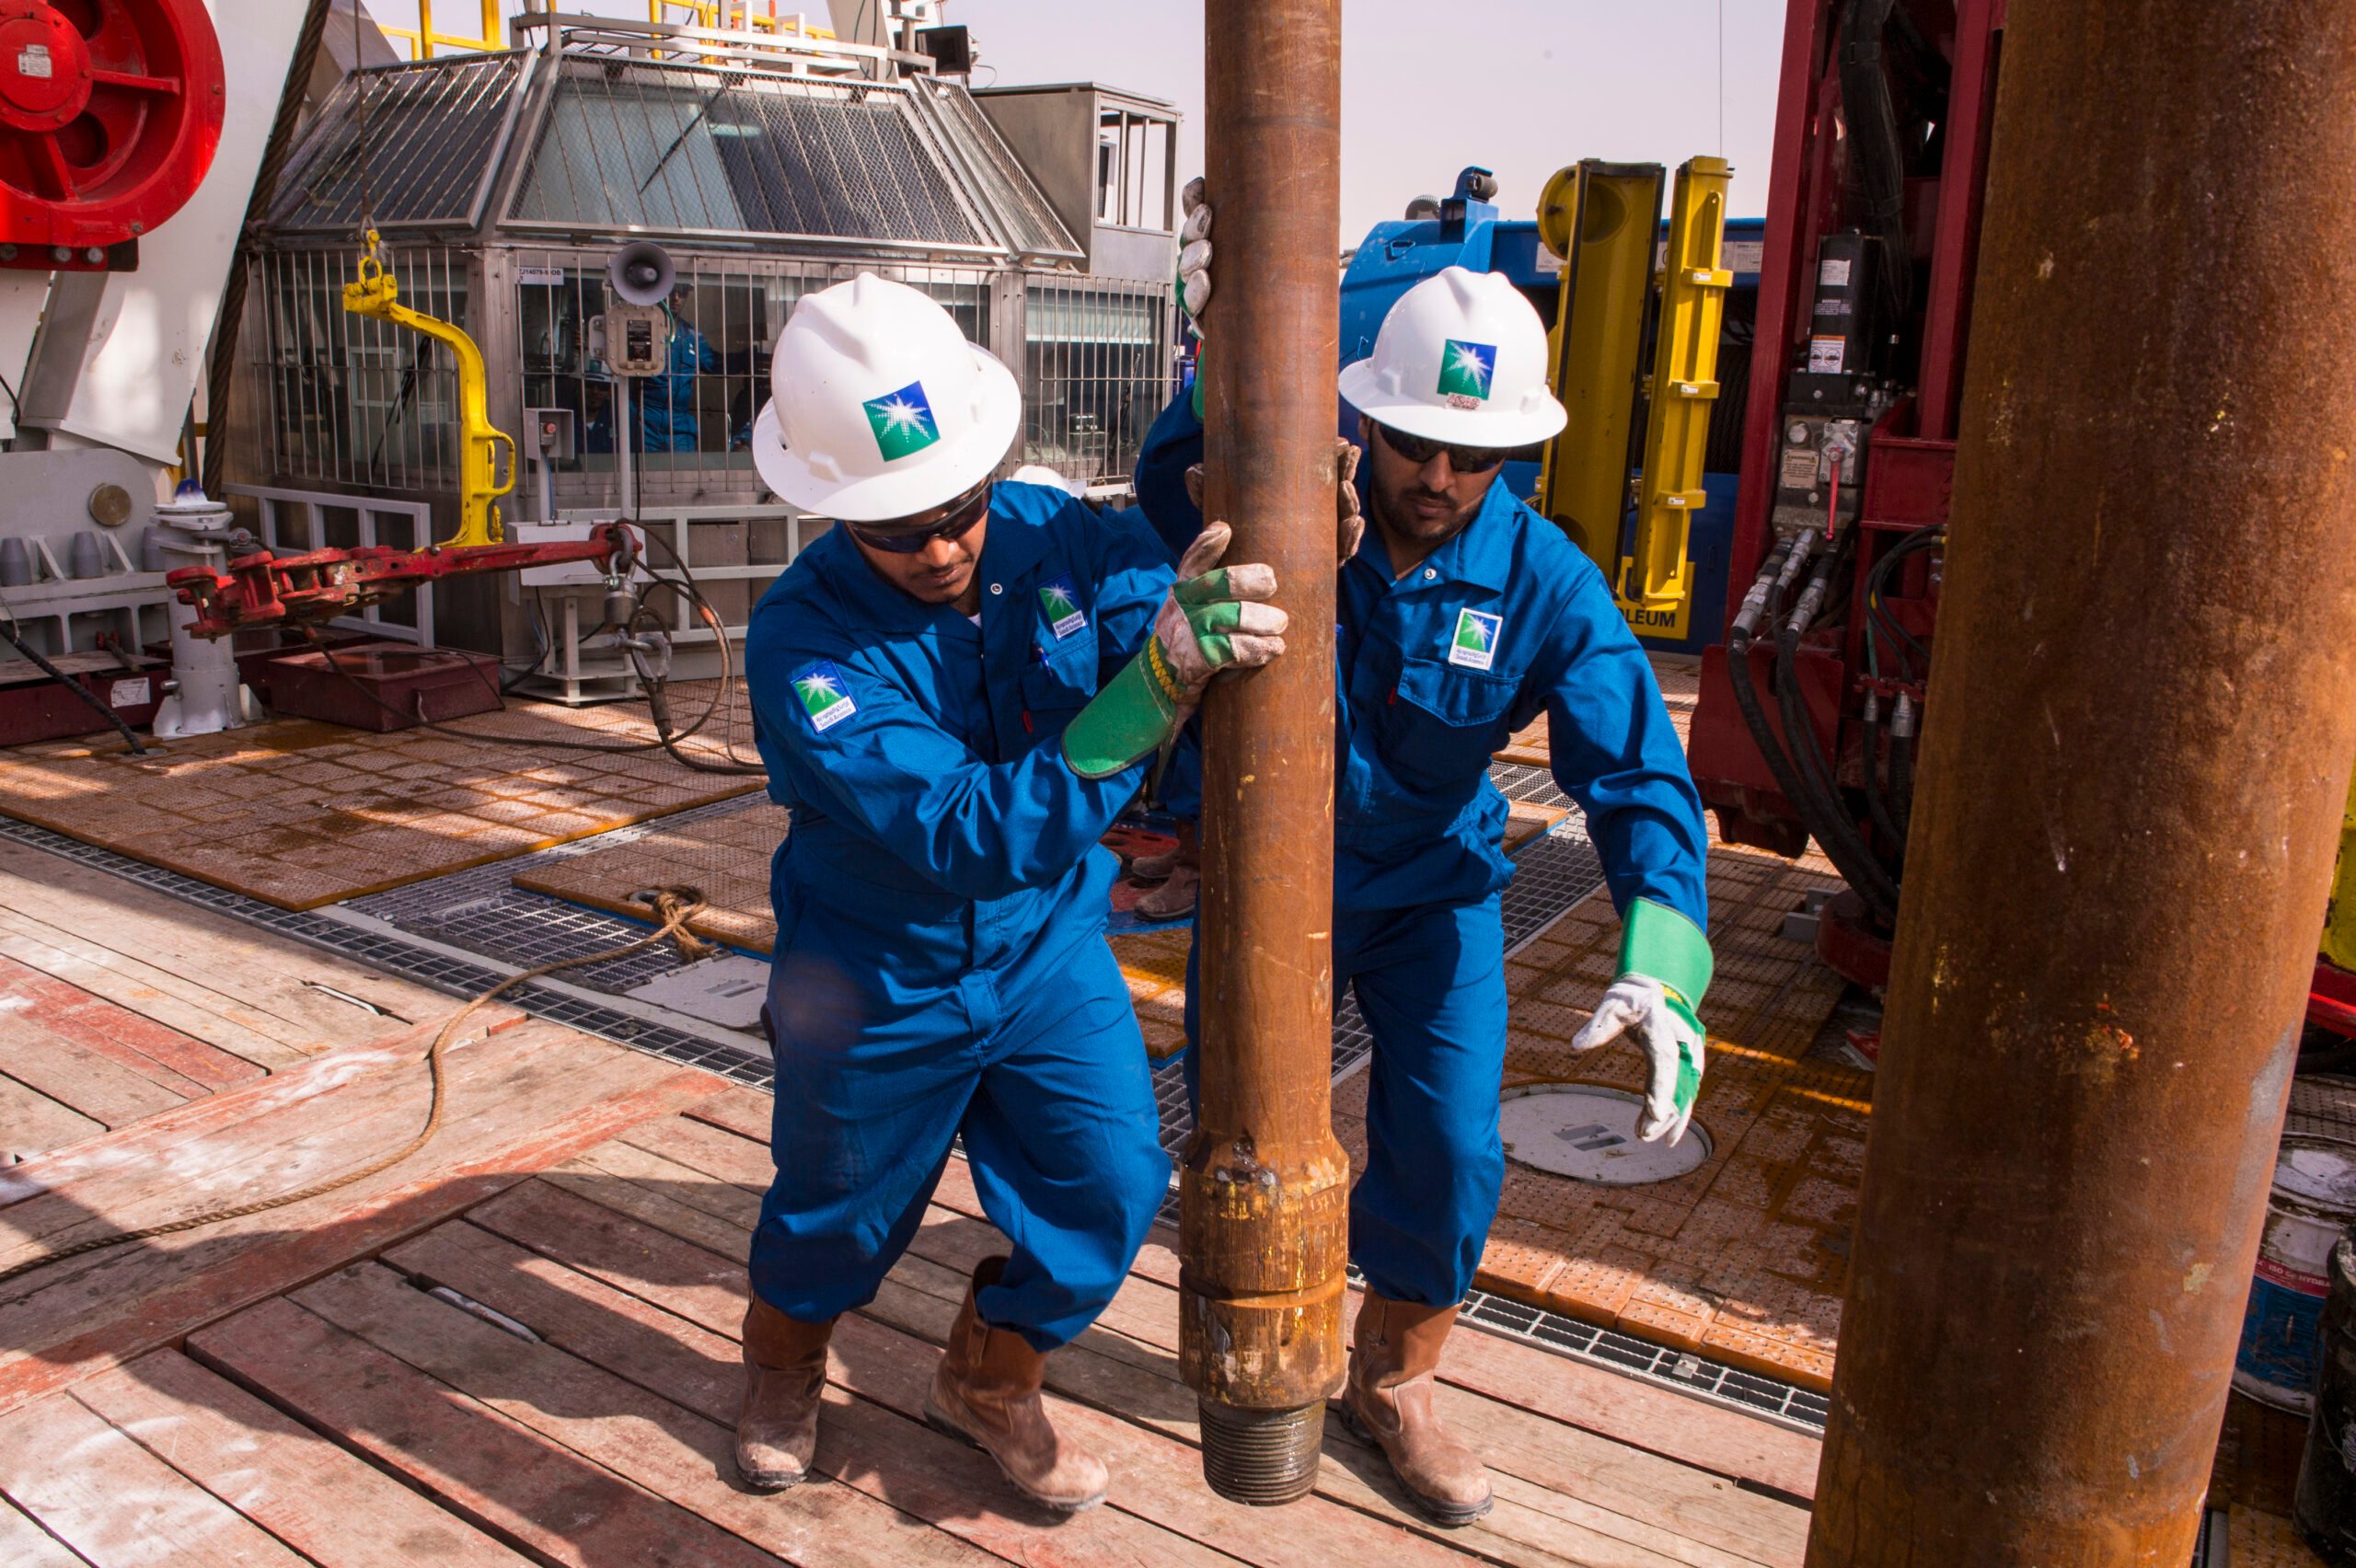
1263	1216
2132	776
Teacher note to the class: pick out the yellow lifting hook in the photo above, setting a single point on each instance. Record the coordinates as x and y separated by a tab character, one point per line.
377	295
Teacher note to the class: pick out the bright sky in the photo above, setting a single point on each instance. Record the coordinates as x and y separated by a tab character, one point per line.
1520	86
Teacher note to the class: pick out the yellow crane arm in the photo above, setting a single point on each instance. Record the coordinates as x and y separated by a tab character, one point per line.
377	294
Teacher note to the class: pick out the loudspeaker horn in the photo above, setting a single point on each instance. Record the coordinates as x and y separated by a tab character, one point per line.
640	273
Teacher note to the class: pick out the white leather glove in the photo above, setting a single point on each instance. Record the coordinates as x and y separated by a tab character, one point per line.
1350	525
1670	1036
1194	252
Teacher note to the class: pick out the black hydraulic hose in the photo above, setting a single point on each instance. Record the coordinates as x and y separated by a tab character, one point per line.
89	700
1849	857
1835	829
1879	156
1892	831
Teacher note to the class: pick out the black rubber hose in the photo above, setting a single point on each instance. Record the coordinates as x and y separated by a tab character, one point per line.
1762	735
1879	156
89	699
1834	829
1893	832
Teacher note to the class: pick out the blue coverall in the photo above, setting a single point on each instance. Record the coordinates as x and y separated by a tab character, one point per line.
1418	867
940	965
666	408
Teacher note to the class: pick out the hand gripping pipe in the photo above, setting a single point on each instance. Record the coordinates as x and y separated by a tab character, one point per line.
2131	779
1264	1218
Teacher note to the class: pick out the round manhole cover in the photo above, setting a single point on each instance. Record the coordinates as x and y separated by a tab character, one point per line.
1588	1133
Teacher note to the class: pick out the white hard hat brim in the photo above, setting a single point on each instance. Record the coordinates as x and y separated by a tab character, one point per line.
1491	427
945	474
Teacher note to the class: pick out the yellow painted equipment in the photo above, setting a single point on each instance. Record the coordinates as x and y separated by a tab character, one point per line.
1601	219
378	296
2339	916
1694	282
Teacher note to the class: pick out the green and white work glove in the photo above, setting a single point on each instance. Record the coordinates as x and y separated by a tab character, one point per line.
1194	252
1213	618
1664	968
1350	525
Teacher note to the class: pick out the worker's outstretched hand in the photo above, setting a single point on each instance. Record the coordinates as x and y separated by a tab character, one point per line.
1216	617
1670	1037
1349	521
1194	252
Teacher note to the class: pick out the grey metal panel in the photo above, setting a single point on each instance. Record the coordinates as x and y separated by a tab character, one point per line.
636	146
1030	221
406	146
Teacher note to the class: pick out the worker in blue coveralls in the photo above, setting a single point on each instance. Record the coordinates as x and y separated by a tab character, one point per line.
956	691
666	403
1464	615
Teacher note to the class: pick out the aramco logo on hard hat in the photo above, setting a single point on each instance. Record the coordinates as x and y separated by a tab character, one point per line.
902	422
1464	372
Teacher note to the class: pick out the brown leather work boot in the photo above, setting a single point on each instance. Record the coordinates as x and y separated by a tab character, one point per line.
987	1392
1388	1401
785	1372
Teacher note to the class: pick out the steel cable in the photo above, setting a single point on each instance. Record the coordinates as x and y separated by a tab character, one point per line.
676	905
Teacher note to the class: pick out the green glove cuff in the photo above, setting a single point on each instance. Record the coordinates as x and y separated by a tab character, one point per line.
1657	940
1137	710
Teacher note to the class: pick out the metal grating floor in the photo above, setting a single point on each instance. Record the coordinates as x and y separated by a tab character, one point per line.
433	932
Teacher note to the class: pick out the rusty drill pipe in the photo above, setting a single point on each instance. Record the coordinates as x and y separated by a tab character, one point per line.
1263	1196
2133	774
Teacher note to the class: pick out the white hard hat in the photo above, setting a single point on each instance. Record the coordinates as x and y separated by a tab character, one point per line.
879	408
1461	358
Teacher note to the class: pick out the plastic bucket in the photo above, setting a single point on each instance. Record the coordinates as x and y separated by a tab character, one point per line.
2313	1203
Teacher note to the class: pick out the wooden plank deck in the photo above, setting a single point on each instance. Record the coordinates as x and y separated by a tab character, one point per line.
520	1345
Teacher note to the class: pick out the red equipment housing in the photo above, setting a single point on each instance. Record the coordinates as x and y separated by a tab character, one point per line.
263	590
1822	385
109	116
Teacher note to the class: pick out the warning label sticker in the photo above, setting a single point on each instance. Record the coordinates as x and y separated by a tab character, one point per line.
1799	471
1832	272
1827	356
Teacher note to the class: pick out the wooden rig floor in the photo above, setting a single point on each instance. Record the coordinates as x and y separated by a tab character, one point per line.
518	1345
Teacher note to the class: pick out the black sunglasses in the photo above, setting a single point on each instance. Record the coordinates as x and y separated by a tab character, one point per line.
954	524
1463	459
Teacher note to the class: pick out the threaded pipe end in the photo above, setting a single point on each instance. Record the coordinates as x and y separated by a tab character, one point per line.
1261	1457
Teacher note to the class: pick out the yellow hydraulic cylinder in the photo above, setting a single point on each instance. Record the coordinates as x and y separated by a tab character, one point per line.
1601	218
1659	578
377	294
2339	916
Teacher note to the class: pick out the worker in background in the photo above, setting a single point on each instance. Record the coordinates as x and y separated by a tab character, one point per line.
666	403
956	692
1464	615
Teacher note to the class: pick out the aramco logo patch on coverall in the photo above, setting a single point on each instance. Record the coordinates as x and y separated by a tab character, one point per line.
1464	372
1062	604
1474	646
824	696
902	422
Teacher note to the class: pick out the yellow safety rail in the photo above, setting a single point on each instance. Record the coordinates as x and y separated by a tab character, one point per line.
377	294
425	39
2339	919
1601	218
1658	580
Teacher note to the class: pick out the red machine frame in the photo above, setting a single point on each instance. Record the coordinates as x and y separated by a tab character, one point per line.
1908	461
263	590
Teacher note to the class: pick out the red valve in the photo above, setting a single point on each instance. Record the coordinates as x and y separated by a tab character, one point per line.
109	115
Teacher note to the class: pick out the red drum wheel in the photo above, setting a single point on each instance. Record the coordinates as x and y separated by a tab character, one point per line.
109	115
